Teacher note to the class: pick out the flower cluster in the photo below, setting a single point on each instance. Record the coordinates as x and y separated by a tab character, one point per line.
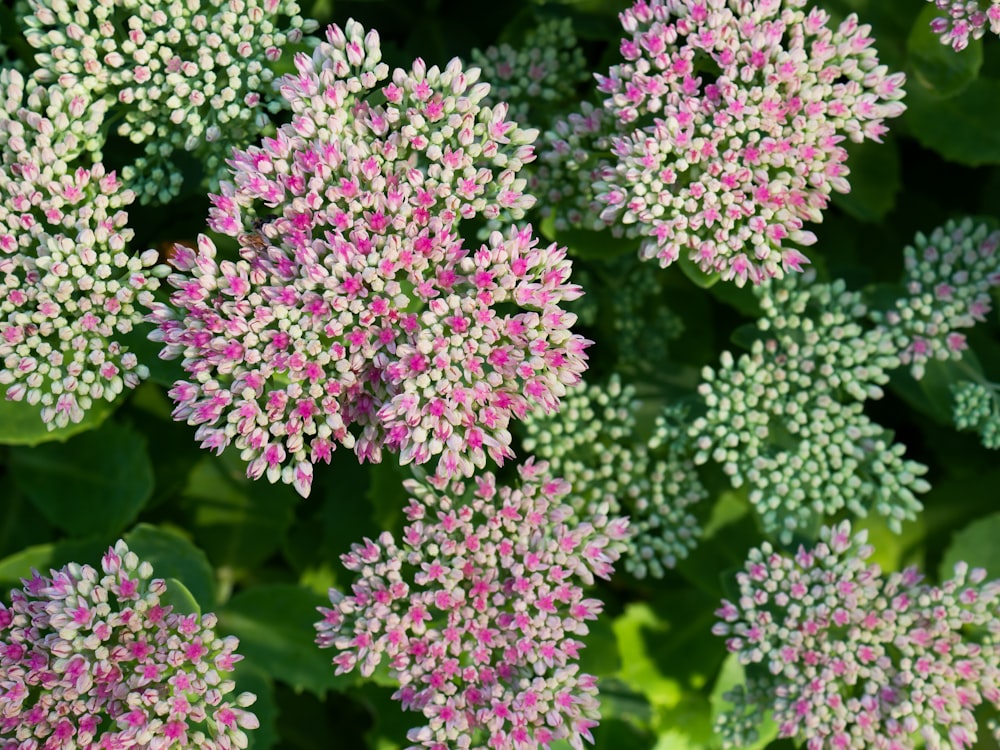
571	162
357	314
725	127
545	69
478	612
69	287
947	281
94	659
593	442
184	76
976	406
847	658
787	417
965	20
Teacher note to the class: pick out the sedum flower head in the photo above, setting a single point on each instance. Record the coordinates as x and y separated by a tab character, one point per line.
593	442
572	159
965	20
727	122
545	69
181	76
356	313
477	611
69	287
787	417
948	277
94	659
845	657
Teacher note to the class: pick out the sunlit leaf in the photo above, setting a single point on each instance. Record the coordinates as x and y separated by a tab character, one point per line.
976	545
46	557
21	423
172	555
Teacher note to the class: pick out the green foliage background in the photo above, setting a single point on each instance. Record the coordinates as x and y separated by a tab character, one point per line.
263	558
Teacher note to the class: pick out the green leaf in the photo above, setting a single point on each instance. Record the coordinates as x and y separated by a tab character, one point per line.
695	274
275	625
250	680
179	598
46	557
962	129
932	393
875	180
616	734
600	655
238	522
590	245
172	555
977	545
92	484
21	423
937	67
687	650
639	671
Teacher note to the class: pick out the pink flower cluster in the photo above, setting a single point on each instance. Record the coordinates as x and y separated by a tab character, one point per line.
478	612
69	286
730	121
94	660
356	313
846	658
965	20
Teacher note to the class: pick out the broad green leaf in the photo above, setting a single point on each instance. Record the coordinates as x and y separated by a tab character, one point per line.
250	680
600	656
179	598
942	71
239	523
686	726
275	625
583	243
893	551
21	524
21	423
172	555
976	545
387	495
306	722
92	484
962	129
638	670
46	557
685	649
696	275
875	180
616	734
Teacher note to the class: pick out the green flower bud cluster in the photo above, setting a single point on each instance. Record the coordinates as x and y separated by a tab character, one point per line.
593	442
544	70
643	325
976	406
948	278
787	418
178	76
